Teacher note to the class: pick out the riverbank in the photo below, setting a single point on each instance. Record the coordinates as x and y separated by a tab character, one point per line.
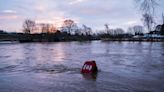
136	40
60	37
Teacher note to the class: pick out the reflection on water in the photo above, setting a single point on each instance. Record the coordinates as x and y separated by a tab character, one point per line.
92	76
44	53
49	67
59	52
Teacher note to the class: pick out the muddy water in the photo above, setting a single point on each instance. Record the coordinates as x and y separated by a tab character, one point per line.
55	67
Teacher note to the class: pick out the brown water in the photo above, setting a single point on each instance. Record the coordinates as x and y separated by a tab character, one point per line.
55	67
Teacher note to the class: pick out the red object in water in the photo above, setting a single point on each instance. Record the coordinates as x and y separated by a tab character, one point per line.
89	67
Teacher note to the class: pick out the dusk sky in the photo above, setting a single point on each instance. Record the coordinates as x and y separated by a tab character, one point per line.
93	13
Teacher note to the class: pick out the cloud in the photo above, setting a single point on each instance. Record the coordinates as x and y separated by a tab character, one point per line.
94	13
9	11
40	8
76	1
57	21
132	22
8	17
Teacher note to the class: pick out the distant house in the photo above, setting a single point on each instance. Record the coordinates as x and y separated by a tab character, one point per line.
153	34
158	28
162	30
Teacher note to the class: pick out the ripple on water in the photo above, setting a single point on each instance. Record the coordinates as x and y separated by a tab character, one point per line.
7	56
40	69
54	68
8	68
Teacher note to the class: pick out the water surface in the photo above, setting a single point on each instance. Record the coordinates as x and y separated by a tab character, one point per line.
55	67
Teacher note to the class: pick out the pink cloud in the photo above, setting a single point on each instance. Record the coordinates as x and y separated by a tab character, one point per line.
8	17
40	8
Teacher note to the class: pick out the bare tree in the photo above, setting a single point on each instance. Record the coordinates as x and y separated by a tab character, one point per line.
148	21
53	29
68	25
44	28
130	31
148	9
28	26
118	31
89	32
147	6
138	30
107	30
47	28
86	30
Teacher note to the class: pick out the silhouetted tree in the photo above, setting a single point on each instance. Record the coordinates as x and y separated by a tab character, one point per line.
43	28
118	31
148	21
53	29
47	28
78	31
86	30
130	31
28	26
136	30
107	30
89	31
147	6
68	26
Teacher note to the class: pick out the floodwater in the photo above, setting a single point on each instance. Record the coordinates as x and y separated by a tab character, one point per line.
55	67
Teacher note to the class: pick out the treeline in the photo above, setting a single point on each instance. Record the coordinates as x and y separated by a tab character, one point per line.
69	31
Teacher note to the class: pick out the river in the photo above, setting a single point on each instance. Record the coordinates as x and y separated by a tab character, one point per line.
55	67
